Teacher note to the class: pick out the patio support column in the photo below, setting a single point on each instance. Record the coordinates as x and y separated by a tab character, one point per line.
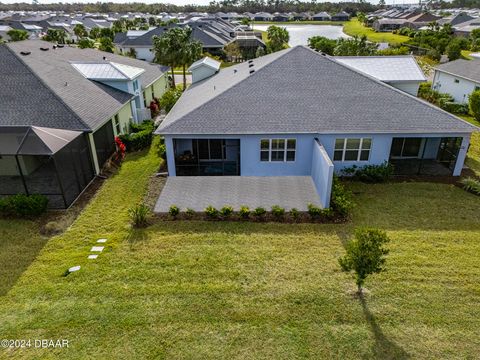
170	156
93	152
21	175
462	154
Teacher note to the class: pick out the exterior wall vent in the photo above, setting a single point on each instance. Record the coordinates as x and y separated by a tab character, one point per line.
252	71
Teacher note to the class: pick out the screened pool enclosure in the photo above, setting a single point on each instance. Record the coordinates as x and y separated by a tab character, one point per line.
52	162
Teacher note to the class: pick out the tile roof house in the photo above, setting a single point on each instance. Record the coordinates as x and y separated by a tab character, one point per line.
93	94
458	78
298	113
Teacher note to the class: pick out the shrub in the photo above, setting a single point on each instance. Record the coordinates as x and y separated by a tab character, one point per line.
471	185
314	211
278	212
365	254
474	104
244	212
226	211
454	50
22	205
294	213
140	136
322	44
211	212
52	228
190	213
169	98
173	211
341	200
455	108
259	212
139	215
371	173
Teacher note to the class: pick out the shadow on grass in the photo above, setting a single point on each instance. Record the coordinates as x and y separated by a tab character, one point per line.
384	349
20	244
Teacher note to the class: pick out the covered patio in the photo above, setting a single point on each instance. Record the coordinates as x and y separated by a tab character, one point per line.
198	192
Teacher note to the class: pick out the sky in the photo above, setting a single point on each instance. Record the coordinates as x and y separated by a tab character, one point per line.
177	2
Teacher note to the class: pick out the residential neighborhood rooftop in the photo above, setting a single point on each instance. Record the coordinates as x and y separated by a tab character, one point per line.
298	90
464	68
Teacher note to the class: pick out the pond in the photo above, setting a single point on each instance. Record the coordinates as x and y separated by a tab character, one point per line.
299	34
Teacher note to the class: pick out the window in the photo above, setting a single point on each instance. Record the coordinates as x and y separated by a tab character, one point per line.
116	123
277	149
211	149
352	149
405	147
135	85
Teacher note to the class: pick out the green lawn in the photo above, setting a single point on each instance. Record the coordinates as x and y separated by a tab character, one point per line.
356	28
473	159
243	290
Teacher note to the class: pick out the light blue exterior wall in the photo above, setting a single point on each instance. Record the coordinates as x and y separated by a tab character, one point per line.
322	173
250	164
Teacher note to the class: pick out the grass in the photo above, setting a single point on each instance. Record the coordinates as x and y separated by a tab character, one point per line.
242	290
356	28
473	156
466	54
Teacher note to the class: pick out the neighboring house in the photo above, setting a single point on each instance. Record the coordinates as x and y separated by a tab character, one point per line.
82	98
262	16
280	17
321	16
455	19
4	29
341	16
401	72
387	25
465	28
458	78
298	113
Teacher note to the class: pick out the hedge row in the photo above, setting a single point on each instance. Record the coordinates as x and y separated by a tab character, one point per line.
140	136
21	205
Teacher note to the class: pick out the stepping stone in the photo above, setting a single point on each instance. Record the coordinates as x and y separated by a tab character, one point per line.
94	256
96	249
73	269
102	241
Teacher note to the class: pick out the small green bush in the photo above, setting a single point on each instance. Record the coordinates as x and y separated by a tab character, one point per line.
169	98
226	211
278	212
371	173
140	136
314	211
22	205
259	212
244	212
474	104
190	213
139	215
471	185
173	211
341	200
211	212
294	213
455	108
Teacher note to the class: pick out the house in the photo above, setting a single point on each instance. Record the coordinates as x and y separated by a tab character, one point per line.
341	16
204	68
262	16
287	121
401	72
321	16
61	108
280	17
387	25
4	29
465	28
458	78
455	19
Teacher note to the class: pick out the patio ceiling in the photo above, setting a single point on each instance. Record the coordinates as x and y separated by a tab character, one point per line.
198	192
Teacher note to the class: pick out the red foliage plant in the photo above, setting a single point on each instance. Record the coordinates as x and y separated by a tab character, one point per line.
121	149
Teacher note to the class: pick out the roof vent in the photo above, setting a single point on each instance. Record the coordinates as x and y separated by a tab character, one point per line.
54	47
252	71
251	65
234	71
44	49
59	46
250	61
25	53
104	58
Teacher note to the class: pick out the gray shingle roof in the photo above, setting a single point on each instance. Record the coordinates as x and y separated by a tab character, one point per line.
90	101
468	69
300	91
26	100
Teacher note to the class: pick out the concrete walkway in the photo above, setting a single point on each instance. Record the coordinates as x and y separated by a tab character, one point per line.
197	192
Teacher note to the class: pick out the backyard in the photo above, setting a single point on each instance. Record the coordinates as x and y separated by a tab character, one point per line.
246	290
356	28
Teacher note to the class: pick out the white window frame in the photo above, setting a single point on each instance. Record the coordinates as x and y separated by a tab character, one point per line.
360	149
285	150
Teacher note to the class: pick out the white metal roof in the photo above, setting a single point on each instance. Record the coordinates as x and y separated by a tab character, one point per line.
385	68
207	61
107	71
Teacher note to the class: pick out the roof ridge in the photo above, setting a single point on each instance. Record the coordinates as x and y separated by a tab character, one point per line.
49	88
115	65
286	51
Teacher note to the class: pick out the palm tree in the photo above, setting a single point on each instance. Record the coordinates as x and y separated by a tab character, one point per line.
191	51
80	31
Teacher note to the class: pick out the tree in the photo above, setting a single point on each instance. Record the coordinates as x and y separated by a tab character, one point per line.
233	52
152	21
362	17
245	21
278	38
176	48
474	104
169	98
260	51
365	255
56	35
86	43
95	33
322	44
17	35
453	51
106	44
356	46
80	31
